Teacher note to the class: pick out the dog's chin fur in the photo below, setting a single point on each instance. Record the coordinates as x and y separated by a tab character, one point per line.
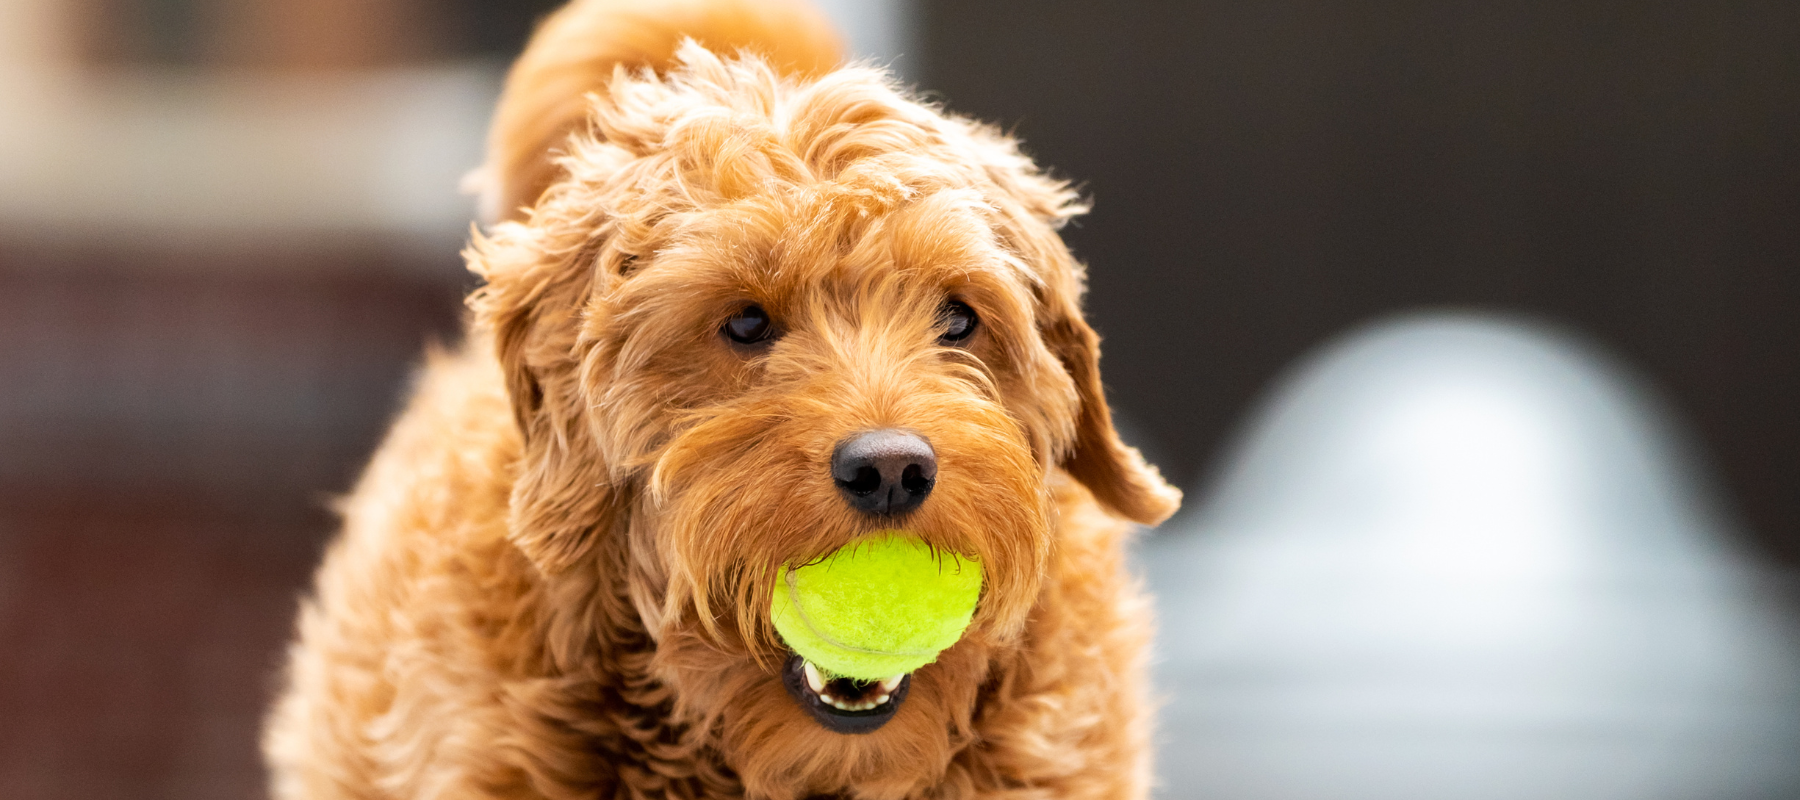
554	577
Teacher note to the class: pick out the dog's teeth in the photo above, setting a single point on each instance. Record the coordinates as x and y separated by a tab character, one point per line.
874	697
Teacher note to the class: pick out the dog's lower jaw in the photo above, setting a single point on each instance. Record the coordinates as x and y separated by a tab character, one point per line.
880	700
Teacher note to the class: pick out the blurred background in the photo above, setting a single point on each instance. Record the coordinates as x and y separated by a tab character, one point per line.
1470	327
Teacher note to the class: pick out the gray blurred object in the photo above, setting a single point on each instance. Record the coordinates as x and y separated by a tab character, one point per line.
1461	557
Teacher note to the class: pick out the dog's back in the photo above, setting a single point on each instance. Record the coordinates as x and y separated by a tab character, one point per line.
576	50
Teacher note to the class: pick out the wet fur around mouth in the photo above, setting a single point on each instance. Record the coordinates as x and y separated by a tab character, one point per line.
838	720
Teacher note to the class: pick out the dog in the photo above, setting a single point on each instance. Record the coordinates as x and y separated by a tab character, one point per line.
720	261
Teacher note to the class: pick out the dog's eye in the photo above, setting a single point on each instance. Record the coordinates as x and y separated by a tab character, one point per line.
750	326
958	320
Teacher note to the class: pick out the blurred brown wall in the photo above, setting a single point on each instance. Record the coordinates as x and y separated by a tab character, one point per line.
179	402
290	35
258	34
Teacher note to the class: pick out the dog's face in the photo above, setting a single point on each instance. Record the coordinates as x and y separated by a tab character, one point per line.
755	321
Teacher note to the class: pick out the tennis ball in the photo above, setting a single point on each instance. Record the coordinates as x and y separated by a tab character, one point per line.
879	607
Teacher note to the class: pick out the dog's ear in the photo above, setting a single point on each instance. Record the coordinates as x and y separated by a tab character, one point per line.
1113	471
1030	207
562	492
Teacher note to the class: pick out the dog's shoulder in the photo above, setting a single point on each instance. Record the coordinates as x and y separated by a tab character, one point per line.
435	493
420	560
446	466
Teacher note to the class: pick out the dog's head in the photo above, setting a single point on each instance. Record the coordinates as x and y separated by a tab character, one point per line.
756	318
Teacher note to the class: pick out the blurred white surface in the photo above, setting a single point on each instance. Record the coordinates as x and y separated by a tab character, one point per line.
183	155
1462	558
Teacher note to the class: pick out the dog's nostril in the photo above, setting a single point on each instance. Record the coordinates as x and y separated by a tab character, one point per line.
867	480
884	472
912	479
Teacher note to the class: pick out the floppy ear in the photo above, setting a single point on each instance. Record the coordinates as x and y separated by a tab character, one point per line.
563	493
1031	207
1114	472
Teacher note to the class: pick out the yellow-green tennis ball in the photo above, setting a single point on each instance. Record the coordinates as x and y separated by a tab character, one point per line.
878	607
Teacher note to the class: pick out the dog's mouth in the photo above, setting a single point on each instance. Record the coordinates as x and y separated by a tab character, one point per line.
844	705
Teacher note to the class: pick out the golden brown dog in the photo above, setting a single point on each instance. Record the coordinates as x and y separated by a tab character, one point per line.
724	272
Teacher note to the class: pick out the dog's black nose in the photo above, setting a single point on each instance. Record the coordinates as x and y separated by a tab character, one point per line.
884	472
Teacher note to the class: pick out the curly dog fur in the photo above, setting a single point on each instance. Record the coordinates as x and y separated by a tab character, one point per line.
553	578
